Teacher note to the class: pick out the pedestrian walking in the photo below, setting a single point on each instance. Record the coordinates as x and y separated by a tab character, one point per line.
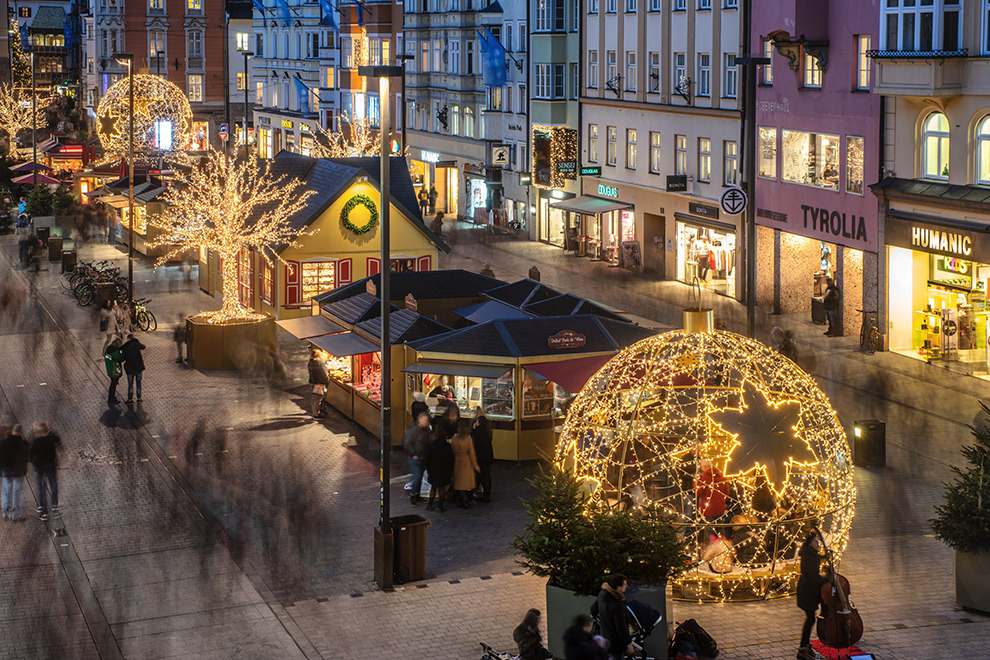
527	637
439	466
14	451
133	366
579	643
106	313
445	424
416	442
610	610
433	198
418	405
112	359
481	436
319	378
179	337
832	300
436	225
809	587
424	201
44	458
465	462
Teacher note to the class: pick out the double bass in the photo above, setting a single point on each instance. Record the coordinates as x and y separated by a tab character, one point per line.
839	624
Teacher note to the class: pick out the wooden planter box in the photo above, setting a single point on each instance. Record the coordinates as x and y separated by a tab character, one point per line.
241	345
972	573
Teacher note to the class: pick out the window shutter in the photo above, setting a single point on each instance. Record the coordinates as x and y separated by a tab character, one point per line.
343	271
423	263
293	284
374	266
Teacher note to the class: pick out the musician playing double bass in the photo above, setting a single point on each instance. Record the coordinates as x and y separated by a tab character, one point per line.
809	590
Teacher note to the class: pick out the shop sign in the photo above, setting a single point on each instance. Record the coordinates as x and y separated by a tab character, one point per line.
943	241
950	265
500	155
287	123
566	167
771	215
304	128
608	191
591	171
472	168
676	183
835	223
369	287
703	210
429	156
411	303
936	239
566	339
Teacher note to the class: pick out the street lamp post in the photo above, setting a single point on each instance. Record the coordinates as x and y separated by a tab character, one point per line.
34	120
402	59
247	78
384	548
128	58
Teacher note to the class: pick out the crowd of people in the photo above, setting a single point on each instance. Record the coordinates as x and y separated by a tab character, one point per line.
41	452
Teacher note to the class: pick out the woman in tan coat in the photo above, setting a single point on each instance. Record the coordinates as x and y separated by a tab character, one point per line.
465	462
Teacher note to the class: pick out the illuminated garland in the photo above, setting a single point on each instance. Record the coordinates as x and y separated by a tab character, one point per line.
345	215
161	114
15	111
563	148
640	427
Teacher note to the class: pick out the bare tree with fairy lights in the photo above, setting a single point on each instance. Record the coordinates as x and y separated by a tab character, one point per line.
355	138
17	112
228	206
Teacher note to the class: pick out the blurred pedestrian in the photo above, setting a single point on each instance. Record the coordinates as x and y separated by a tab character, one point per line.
416	442
433	198
418	405
527	637
14	450
112	359
133	366
465	462
44	458
579	643
120	324
481	436
439	466
832	300
106	313
445	424
319	378
179	337
436	225
424	200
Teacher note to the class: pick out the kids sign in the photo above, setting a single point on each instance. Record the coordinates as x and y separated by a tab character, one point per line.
566	339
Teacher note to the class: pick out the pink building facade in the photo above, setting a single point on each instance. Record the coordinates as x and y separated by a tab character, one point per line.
818	146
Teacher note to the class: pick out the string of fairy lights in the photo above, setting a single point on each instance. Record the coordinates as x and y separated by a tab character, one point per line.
734	442
18	113
162	117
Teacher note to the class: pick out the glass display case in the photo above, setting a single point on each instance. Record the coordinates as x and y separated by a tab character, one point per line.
368	376
496	396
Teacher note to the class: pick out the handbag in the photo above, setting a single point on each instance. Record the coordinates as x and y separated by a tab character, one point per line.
104	324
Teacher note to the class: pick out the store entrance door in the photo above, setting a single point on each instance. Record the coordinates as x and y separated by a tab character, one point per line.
654	239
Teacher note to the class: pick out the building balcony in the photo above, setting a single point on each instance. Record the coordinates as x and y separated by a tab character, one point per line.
194	63
928	73
437	20
47	50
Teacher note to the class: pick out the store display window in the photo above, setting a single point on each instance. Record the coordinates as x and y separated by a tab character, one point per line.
141	219
542	398
767	160
707	254
317	277
811	159
199	137
368	376
496	396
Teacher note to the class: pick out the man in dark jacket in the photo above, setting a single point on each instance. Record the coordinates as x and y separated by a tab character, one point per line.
45	462
579	643
831	300
481	435
610	610
319	378
14	451
133	366
809	588
112	359
416	442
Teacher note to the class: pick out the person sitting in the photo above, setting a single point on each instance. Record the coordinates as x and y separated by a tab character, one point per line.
527	637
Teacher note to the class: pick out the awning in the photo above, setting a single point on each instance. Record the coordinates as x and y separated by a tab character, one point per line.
570	374
310	326
344	344
441	368
490	310
42	179
590	205
30	166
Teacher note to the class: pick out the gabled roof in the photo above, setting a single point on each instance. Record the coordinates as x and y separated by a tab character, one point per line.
521	292
354	309
405	325
568	304
423	285
48	18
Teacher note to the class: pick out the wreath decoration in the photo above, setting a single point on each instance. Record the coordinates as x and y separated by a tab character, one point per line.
345	214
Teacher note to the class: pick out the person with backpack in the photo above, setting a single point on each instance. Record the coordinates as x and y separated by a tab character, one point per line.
112	359
610	610
44	458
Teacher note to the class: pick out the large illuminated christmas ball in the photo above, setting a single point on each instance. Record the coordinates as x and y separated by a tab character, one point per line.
162	117
731	440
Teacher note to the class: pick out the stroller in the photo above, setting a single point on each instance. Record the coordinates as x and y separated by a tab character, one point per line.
643	619
492	654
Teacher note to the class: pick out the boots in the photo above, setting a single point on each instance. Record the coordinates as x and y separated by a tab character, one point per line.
806	653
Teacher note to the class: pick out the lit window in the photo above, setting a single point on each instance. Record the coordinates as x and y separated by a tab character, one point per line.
983	151
241	81
317	277
268	282
680	155
194	88
935	147
469	122
630	71
631	155
593	143
811	159
767	153
812	72
854	165
654	152
730	163
243	41
862	62
245	278
610	137
704	160
766	70
194	5
259	93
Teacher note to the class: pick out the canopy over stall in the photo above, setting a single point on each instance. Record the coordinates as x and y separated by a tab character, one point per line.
310	326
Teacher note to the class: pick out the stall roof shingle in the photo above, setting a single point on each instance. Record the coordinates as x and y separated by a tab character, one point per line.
405	325
423	285
354	309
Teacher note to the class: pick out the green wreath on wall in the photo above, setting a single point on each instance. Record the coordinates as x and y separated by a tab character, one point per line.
345	214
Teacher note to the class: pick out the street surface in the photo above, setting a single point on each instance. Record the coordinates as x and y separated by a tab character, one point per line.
218	520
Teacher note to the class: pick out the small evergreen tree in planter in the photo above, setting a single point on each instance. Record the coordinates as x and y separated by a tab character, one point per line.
963	522
574	544
40	201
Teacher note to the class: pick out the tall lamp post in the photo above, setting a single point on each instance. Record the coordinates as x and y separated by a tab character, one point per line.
34	120
247	79
128	59
384	548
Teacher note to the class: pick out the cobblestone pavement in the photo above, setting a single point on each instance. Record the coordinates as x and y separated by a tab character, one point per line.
217	520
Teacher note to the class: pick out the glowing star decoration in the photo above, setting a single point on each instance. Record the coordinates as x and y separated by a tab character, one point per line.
156	102
765	436
646	427
229	206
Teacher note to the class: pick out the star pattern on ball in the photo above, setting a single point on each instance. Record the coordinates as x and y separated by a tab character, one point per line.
765	435
108	124
156	101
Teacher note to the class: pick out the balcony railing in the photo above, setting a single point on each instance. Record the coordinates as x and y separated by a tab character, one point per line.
915	54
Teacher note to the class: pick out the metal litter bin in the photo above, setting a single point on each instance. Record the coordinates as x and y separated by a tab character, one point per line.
44	233
54	248
409	558
869	443
68	260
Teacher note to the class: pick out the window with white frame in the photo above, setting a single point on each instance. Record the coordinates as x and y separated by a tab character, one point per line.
495	99
680	69
631	70
655	152
730	163
195	44
854	164
469	57
575	81
704	160
631	154
731	4
523	36
348	58
454	56
507	105
766	70
812	72
653	84
730	74
259	93
610	6
655	5
983	151
575	15
243	41
194	5
630	6
610	137
611	66
592	143
935	147
704	4
680	5
680	155
544	15
862	62
558	81
469	122
155	5
921	25
507	37
593	69
455	120
541	82
523	99
704	74
766	161
156	44
592	6
194	87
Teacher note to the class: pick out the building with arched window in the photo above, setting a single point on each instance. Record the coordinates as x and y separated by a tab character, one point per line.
935	195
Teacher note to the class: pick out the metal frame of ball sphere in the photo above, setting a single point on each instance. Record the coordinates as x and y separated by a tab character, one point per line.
155	99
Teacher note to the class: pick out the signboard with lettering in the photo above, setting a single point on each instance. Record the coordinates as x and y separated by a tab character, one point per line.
607	191
287	123
566	339
500	155
411	303
676	183
566	166
589	170
703	210
851	222
944	240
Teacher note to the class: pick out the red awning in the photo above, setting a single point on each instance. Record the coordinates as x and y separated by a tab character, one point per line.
570	374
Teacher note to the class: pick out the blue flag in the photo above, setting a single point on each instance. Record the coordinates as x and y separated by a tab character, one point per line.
360	11
261	10
69	31
329	15
283	11
302	94
493	59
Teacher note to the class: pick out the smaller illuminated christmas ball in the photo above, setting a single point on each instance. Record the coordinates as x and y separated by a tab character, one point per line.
732	441
162	116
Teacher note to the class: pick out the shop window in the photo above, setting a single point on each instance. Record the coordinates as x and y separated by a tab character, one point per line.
935	147
367	376
592	143
655	152
704	160
767	160
680	155
610	138
983	151
854	165
730	163
199	136
631	154
268	281
245	278
194	88
811	159
542	398
708	255
317	277
812	72
496	396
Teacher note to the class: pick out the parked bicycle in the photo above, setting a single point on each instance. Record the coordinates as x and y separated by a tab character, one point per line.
869	333
144	318
86	282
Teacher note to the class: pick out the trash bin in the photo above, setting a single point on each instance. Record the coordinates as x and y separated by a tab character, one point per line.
68	260
105	291
409	558
44	233
869	443
54	248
